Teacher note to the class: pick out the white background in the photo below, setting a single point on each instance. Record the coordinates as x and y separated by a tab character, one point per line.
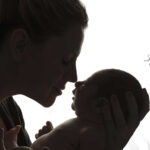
118	36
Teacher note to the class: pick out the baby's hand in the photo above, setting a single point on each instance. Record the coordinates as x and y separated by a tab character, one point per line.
47	128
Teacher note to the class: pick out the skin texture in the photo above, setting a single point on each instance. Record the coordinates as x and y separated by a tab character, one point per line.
118	130
39	71
19	66
89	114
26	66
81	129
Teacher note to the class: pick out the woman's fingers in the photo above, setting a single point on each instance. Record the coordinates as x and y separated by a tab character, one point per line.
145	106
11	137
133	114
108	121
46	148
118	128
2	147
117	113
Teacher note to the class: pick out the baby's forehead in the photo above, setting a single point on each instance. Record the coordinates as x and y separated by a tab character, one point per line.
94	78
91	82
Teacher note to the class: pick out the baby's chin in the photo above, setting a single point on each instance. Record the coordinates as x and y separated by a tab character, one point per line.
72	106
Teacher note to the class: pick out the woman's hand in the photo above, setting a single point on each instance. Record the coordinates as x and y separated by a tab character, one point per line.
11	136
118	130
8	140
47	128
2	145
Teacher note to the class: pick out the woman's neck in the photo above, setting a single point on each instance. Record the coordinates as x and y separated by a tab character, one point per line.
7	87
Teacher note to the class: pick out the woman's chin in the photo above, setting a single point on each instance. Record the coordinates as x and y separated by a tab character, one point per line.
49	102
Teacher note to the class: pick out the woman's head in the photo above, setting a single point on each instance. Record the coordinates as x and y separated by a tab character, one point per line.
41	42
41	18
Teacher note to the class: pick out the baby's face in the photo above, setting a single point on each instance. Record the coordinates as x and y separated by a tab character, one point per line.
84	92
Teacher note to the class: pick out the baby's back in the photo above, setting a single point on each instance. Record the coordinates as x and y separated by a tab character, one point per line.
73	134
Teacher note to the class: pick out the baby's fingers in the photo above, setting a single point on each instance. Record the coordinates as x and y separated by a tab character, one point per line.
49	124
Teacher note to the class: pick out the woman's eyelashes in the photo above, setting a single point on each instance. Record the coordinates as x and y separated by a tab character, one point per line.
66	61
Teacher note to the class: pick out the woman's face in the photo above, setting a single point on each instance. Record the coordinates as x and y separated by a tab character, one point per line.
51	65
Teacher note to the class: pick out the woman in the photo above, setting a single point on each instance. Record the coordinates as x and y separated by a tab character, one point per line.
40	42
11	116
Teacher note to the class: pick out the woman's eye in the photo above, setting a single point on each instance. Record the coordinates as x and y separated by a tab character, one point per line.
66	62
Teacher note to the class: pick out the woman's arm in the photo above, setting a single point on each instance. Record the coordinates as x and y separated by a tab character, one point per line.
118	130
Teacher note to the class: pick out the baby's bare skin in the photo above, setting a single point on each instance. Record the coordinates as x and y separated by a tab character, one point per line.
73	134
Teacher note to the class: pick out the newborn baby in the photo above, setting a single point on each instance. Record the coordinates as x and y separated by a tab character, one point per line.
87	130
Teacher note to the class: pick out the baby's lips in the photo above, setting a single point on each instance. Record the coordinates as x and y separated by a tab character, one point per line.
74	91
72	106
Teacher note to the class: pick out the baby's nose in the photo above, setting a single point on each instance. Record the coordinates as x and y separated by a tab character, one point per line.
74	91
78	84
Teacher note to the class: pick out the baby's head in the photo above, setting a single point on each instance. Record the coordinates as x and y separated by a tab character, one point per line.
105	83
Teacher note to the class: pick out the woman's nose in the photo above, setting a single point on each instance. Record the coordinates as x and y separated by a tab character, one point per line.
72	75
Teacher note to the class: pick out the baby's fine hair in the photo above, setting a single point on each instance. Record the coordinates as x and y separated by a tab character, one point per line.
41	18
118	82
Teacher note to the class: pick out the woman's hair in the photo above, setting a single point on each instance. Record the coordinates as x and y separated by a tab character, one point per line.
41	18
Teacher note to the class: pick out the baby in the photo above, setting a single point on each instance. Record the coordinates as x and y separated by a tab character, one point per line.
87	130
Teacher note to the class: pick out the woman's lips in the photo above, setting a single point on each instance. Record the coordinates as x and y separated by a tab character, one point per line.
58	91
